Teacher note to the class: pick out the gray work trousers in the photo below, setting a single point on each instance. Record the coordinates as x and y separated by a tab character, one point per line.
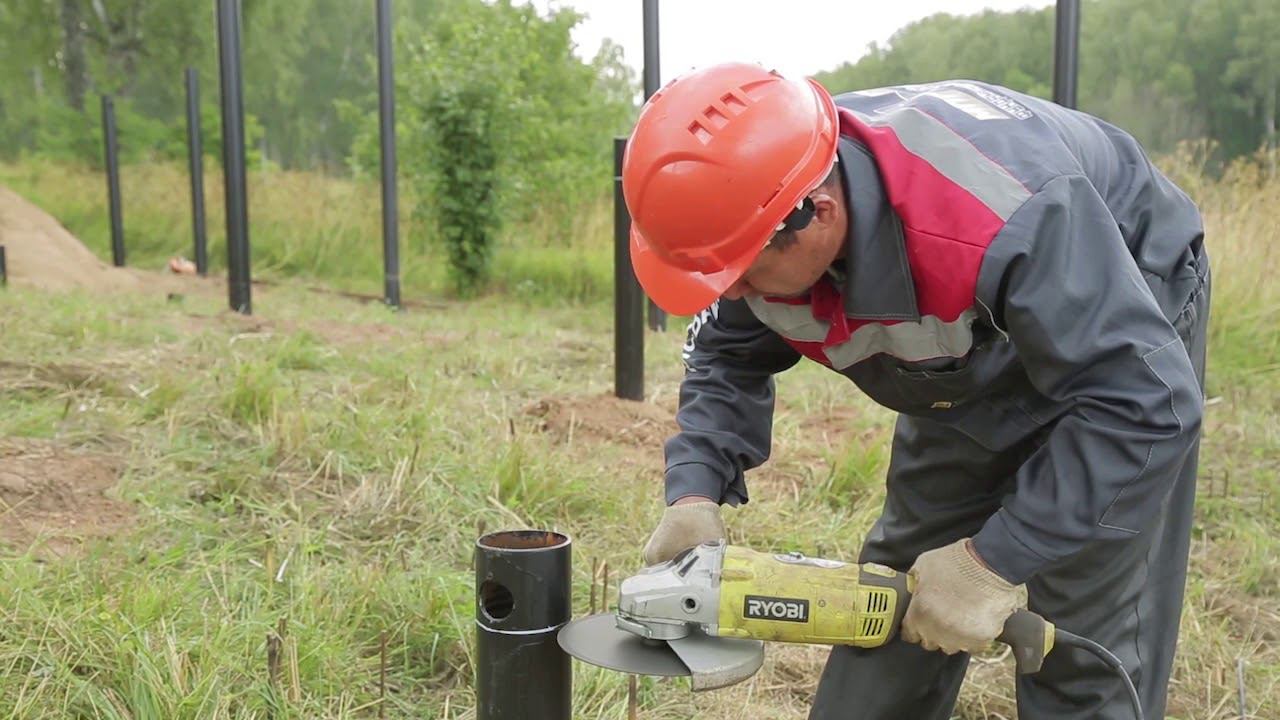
1125	594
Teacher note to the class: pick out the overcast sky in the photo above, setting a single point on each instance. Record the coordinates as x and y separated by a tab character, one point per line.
795	37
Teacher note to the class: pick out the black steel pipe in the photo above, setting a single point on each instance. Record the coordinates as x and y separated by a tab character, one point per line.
195	165
111	151
523	598
628	297
233	165
4	269
1066	52
387	132
652	75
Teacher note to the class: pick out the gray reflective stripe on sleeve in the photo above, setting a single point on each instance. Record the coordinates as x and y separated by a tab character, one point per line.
953	156
795	322
932	337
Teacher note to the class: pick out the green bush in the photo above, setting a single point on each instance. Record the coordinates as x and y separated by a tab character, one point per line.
465	178
504	127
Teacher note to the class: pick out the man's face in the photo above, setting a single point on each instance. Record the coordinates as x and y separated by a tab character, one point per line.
791	270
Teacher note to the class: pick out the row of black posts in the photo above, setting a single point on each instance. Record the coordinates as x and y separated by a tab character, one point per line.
239	283
195	161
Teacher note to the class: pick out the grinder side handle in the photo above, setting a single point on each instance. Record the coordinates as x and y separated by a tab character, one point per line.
1031	638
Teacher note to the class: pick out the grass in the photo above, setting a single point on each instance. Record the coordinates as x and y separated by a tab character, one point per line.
308	484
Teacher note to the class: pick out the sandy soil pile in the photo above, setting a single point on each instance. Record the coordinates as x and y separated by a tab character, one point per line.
41	253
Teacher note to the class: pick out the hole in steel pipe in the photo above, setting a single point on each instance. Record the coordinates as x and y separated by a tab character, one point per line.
496	600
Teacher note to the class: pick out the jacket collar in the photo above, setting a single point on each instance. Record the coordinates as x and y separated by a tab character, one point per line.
877	284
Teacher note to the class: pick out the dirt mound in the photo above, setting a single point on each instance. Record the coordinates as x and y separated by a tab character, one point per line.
605	418
41	253
51	493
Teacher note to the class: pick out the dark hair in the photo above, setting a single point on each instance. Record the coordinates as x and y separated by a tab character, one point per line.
785	238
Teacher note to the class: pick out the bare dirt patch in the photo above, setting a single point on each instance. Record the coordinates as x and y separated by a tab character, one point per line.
56	496
604	418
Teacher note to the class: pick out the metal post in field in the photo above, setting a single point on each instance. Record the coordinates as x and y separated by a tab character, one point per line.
523	597
628	297
4	269
1066	52
387	132
113	180
652	82
233	165
195	165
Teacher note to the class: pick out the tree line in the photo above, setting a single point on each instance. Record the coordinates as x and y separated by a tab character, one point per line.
1166	70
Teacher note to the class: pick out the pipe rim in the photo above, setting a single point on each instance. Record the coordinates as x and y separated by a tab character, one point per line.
523	541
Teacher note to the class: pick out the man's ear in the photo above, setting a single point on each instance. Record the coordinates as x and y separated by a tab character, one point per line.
825	206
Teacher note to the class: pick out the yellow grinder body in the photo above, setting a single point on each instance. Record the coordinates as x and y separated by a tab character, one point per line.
793	598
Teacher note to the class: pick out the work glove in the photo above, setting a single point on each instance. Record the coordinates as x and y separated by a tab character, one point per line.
959	604
684	526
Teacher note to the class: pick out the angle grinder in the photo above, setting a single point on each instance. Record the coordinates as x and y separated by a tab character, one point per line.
706	613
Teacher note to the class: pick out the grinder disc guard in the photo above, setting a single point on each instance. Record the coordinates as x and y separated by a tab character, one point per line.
711	662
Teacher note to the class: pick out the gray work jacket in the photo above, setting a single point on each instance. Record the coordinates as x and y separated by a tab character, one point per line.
1013	270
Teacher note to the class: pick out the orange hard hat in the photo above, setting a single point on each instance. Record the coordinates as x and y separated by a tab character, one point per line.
718	159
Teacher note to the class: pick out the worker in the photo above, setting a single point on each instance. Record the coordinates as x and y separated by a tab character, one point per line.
1018	282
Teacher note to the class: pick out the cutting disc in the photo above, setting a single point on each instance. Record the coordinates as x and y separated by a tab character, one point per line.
598	640
712	662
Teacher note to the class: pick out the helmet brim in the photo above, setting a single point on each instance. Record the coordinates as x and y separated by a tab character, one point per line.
677	290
